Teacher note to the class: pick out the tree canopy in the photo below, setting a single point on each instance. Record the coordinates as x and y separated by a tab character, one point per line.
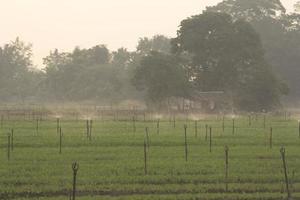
297	7
228	55
17	78
279	32
159	43
237	46
162	76
86	74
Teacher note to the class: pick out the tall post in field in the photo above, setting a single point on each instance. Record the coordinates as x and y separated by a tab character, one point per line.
157	126
2	120
299	128
264	121
206	131
223	123
12	140
37	126
271	138
233	125
174	121
210	139
75	168
185	143
147	137
282	151
8	147
60	140
57	124
87	128
133	124
145	158
90	129
196	128
226	167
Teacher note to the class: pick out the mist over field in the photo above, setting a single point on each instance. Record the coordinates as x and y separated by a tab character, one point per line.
247	50
137	99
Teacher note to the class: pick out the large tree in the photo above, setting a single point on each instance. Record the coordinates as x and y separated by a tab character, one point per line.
279	31
228	55
87	74
297	6
159	43
161	76
250	10
17	80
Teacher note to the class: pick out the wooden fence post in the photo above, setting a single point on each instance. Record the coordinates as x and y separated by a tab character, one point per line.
185	143
75	168
196	128
226	167
8	147
210	138
282	151
145	158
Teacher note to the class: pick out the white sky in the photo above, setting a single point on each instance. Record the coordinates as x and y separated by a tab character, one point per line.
64	24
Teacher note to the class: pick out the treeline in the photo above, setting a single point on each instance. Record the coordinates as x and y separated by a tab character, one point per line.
94	74
248	49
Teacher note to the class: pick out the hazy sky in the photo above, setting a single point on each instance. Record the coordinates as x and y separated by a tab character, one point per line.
64	24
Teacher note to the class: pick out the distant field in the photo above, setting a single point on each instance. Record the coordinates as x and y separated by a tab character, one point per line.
111	163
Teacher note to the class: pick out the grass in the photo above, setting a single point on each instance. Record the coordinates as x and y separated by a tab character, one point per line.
111	165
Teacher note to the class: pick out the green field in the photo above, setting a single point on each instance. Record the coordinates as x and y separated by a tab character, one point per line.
111	164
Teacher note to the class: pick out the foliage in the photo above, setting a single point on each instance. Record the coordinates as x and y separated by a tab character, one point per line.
111	165
96	73
279	32
297	7
213	51
157	43
250	10
228	55
162	76
17	80
85	74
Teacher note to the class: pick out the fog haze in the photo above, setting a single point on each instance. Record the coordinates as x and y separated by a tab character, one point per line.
64	24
